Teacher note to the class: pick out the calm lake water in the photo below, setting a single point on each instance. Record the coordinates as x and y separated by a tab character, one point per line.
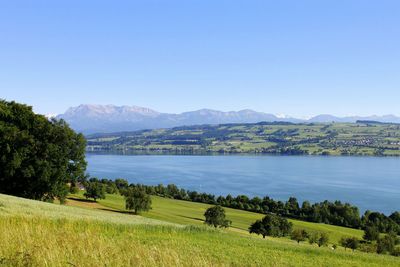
367	182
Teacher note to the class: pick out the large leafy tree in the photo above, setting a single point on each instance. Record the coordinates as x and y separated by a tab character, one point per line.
95	190
137	199
38	157
271	225
215	216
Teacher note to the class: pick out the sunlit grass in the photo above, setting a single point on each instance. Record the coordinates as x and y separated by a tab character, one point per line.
33	233
185	212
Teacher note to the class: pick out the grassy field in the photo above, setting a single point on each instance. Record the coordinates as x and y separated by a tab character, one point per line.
185	212
278	138
34	233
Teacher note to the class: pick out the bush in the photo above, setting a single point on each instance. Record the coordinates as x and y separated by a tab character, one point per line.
299	235
349	242
323	239
371	233
386	244
368	248
313	238
396	252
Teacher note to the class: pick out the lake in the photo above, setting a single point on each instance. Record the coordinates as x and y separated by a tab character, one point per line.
367	182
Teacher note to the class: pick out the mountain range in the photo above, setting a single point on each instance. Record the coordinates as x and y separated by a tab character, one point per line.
90	119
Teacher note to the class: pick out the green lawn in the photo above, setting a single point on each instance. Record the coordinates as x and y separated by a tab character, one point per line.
34	233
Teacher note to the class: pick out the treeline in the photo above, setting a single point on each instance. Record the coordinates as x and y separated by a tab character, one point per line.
334	213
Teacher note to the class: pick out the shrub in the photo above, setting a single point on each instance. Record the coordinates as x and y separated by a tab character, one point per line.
299	235
349	242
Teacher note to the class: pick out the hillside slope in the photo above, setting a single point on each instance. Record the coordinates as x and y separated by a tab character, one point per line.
40	234
192	213
274	138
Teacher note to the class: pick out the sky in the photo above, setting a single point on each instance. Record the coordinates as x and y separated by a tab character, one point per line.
299	58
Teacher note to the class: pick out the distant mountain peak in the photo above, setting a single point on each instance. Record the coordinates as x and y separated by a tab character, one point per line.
93	118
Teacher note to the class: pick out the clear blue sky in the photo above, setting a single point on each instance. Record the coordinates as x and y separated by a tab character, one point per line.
294	57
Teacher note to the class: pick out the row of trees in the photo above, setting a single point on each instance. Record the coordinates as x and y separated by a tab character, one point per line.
335	213
137	200
277	226
373	242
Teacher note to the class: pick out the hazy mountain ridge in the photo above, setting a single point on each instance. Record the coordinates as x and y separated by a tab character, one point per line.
110	118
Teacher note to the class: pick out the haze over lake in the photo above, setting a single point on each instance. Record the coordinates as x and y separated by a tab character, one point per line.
367	182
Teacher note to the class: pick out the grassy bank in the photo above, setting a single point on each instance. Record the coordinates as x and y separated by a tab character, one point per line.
40	234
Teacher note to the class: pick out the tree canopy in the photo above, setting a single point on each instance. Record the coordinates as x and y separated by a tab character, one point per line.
271	225
95	190
137	200
215	216
299	235
38	157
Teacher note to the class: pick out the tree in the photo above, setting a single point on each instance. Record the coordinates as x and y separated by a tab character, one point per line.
258	228
38	157
271	225
121	183
371	233
215	216
299	235
349	242
137	200
111	188
387	244
95	190
395	216
292	207
323	239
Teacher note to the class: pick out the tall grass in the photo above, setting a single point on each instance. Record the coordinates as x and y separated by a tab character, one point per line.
54	235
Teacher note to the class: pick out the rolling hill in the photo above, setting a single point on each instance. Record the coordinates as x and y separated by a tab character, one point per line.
42	234
362	138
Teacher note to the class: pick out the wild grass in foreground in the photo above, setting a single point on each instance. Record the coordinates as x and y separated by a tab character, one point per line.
63	242
40	234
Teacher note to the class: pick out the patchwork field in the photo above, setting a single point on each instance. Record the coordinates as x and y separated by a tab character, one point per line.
363	138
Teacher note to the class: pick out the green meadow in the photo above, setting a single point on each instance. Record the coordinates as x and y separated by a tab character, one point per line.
34	233
191	213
